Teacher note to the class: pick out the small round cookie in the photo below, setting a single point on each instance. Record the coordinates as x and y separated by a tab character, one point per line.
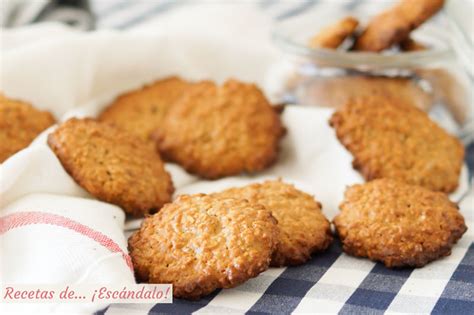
201	243
398	224
220	131
399	141
303	228
140	112
112	165
20	123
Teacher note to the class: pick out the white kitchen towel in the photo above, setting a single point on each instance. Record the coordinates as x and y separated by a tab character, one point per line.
55	239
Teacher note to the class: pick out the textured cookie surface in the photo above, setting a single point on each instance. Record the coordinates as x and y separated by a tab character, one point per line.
140	112
303	228
394	25
112	165
398	141
333	35
398	224
216	131
20	123
201	243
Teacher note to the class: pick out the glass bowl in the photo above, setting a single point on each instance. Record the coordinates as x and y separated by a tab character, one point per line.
433	79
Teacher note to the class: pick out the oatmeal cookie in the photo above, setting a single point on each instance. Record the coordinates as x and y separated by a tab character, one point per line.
303	228
398	224
140	112
332	36
201	243
216	131
112	165
394	25
20	123
398	141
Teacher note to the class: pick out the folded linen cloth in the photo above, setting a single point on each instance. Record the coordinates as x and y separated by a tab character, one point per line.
58	239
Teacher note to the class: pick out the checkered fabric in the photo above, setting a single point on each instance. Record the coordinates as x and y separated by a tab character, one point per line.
332	282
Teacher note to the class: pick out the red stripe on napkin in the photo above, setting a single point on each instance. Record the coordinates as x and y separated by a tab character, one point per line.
15	220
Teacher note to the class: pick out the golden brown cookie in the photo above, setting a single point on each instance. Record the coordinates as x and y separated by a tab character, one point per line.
394	25
332	36
112	165
216	131
303	228
398	224
140	112
20	123
201	243
398	141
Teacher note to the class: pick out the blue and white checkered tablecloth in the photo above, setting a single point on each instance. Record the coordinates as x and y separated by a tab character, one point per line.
332	282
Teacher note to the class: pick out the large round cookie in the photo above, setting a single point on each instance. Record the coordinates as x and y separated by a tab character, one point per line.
201	243
112	165
20	123
216	131
390	140
140	112
398	224
303	228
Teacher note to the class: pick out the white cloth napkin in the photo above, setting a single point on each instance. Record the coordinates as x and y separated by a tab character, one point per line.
77	74
56	239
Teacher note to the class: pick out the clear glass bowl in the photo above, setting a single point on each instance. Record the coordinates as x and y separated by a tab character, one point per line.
433	79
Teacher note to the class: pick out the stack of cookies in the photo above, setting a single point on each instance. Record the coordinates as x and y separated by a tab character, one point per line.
389	29
390	33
